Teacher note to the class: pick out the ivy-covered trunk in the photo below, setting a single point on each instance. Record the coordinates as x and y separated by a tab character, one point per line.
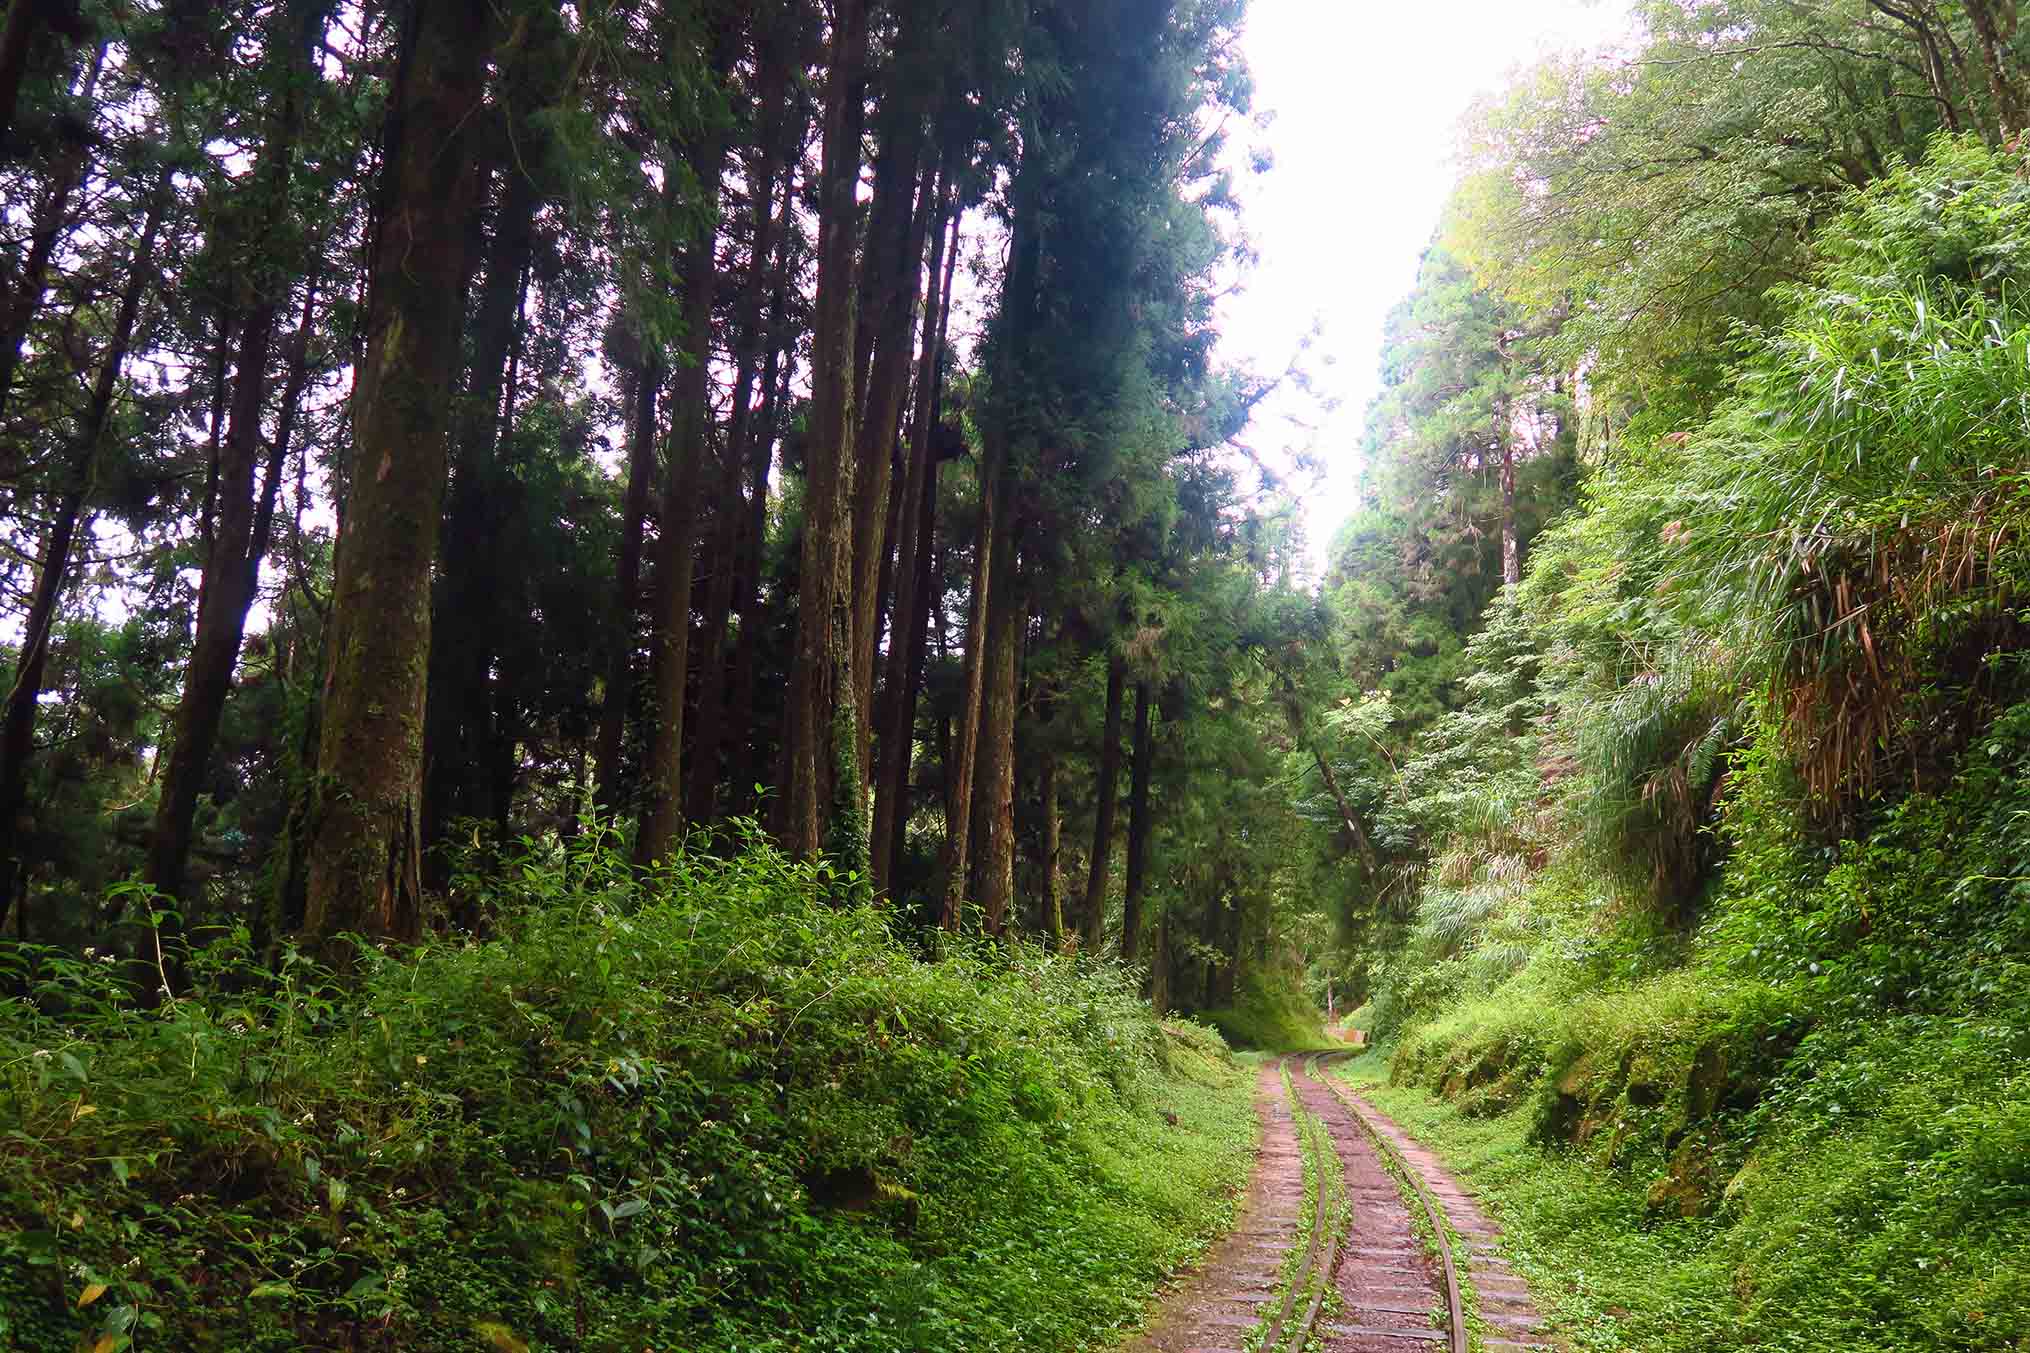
364	854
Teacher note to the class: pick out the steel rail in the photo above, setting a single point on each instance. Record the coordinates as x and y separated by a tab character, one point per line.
1273	1333
1455	1307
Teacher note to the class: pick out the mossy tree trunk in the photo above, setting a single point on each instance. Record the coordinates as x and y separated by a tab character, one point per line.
363	860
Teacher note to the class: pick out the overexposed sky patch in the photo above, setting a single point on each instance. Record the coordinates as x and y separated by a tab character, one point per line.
1367	98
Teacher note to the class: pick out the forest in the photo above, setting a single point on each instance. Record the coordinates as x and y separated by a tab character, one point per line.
658	693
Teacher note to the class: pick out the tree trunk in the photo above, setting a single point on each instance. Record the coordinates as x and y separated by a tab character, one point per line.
1053	845
823	803
1504	442
715	679
475	576
1995	25
1346	813
363	859
775	377
1511	552
996	751
690	432
910	614
17	715
641	470
233	562
1092	921
959	762
897	228
1138	829
1159	966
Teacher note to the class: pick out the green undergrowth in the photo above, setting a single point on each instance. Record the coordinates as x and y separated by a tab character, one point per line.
706	1111
1814	1131
1271	1016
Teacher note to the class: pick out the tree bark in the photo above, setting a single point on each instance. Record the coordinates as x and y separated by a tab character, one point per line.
898	225
1138	829
824	799
1504	441
233	562
896	712
1159	966
613	709
996	751
1092	921
18	714
715	679
776	371
959	761
485	497
363	859
690	431
1053	845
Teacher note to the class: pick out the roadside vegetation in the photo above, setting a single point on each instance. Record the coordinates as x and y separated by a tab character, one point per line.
707	1110
1697	925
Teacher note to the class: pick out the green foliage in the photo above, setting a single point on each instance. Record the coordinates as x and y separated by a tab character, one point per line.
1714	978
1270	1015
703	1110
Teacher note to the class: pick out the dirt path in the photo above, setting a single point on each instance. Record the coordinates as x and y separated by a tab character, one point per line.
1217	1303
1390	1291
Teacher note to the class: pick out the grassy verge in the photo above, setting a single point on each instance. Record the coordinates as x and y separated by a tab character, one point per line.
711	1111
1272	1018
1824	1241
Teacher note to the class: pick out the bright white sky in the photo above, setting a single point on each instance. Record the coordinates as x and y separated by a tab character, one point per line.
1367	96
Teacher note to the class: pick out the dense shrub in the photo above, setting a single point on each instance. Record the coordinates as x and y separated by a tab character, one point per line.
706	1110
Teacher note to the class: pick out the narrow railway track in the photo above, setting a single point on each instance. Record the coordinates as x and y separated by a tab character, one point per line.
1353	1240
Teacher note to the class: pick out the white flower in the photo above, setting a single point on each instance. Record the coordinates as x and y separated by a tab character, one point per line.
401	1193
90	952
43	1054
